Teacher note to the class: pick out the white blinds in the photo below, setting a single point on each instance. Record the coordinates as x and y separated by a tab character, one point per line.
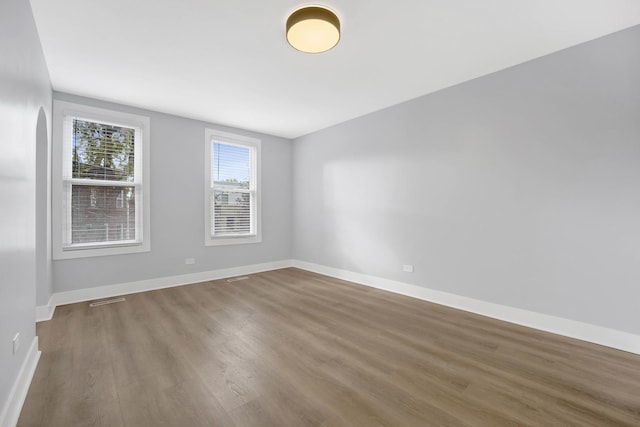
233	189
102	182
102	151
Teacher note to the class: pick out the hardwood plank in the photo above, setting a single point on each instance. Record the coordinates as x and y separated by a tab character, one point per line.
293	348
43	406
188	403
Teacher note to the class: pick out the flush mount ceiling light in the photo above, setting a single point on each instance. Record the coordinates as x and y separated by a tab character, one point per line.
313	29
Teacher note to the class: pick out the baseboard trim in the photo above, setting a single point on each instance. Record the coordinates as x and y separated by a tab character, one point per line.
11	411
45	312
570	328
108	291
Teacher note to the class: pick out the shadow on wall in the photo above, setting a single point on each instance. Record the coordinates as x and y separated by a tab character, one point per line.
43	213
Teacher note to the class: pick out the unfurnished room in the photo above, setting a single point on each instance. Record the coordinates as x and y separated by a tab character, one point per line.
348	213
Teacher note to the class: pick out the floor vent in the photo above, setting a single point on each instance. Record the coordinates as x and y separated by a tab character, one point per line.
106	301
237	279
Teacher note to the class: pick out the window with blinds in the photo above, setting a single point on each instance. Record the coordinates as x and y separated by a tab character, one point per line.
232	189
101	181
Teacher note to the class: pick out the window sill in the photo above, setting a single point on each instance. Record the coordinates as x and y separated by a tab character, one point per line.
100	250
224	241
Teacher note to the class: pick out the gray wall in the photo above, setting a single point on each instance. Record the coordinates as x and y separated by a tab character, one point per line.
24	89
177	209
519	188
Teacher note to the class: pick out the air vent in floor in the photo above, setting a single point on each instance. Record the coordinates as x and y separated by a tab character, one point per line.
106	301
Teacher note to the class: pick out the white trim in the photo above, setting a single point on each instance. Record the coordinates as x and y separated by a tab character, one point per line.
88	294
570	328
61	210
45	312
11	411
211	135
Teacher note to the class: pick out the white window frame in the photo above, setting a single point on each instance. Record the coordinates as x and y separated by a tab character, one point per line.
212	135
61	199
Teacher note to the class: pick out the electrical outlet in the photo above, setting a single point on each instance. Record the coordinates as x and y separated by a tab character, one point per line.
189	261
408	268
16	343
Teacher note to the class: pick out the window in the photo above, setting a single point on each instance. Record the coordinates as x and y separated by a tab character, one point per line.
100	184
232	194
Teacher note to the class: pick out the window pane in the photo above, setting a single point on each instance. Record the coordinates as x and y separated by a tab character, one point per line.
102	214
231	165
232	213
102	151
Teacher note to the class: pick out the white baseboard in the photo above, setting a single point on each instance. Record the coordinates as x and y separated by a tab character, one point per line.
45	312
557	325
11	411
88	294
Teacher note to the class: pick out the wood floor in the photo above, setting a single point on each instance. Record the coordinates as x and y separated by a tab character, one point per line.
292	348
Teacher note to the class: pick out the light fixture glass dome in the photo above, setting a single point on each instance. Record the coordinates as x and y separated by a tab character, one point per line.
313	29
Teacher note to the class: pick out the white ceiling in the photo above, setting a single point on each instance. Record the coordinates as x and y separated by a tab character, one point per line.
228	62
